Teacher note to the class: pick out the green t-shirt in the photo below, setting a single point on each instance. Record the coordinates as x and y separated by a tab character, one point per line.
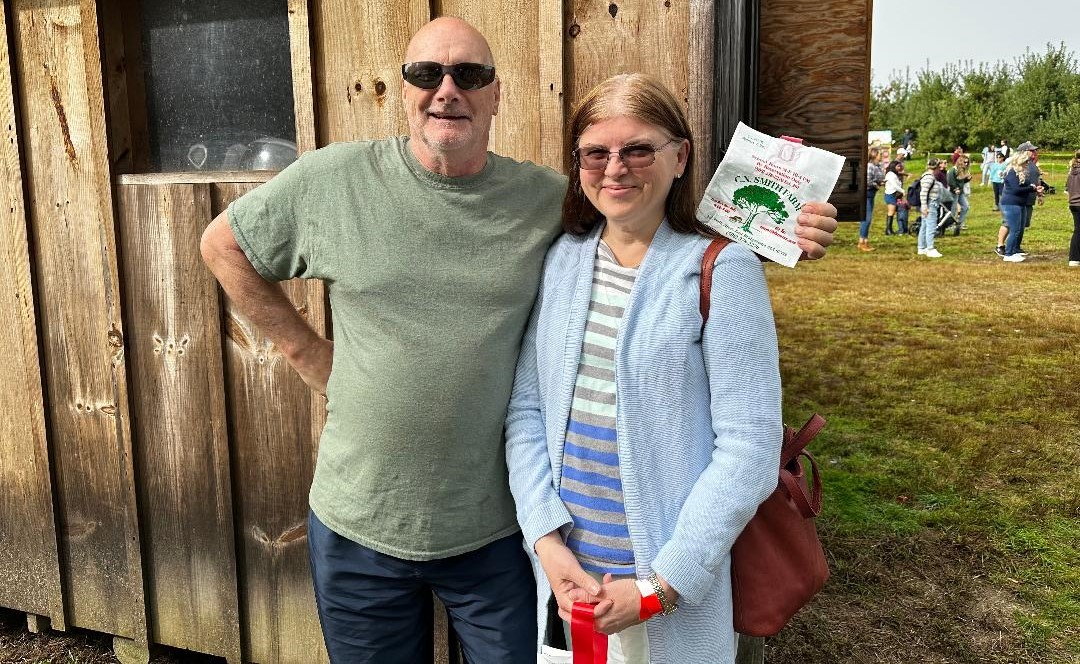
431	282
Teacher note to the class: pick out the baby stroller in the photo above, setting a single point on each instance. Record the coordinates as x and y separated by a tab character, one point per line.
1047	187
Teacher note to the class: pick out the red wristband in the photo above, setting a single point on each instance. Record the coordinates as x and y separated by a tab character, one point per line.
650	606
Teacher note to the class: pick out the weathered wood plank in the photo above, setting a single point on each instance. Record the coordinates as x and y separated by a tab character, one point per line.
302	82
512	30
178	419
195	177
551	28
274	459
125	90
735	80
304	104
70	210
607	38
815	82
358	51
700	74
29	568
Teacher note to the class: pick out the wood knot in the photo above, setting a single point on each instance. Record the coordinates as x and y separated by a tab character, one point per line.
613	9
575	30
380	88
116	339
358	86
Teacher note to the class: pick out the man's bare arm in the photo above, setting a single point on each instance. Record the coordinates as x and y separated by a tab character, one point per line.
265	305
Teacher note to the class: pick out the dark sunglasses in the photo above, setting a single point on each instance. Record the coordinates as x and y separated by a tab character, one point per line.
466	75
638	155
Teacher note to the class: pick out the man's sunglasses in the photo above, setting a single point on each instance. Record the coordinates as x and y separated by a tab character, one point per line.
639	155
429	75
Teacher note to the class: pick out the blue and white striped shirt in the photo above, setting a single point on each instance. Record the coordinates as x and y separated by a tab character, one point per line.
591	486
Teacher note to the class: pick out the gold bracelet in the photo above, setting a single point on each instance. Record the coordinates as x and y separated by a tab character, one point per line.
667	606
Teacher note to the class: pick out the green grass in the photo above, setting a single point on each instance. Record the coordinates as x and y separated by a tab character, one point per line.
952	391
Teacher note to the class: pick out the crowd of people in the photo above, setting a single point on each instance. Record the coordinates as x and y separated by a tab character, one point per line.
940	196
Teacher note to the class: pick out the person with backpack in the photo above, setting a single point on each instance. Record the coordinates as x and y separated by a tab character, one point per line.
929	194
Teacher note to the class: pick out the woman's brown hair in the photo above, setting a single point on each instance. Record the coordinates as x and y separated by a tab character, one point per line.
642	98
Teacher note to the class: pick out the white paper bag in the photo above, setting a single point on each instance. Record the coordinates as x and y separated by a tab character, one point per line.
758	189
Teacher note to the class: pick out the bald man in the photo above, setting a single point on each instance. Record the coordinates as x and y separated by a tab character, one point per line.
431	248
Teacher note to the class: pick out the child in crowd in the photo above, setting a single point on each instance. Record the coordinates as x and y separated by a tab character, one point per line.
997	179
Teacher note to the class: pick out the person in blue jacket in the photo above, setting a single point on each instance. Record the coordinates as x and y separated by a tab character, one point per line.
1017	199
640	442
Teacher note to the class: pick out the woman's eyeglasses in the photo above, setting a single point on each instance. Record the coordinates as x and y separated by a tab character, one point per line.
639	155
466	75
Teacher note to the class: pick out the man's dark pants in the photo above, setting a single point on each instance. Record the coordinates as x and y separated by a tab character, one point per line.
378	608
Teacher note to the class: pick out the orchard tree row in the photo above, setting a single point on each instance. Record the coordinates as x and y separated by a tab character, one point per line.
1036	98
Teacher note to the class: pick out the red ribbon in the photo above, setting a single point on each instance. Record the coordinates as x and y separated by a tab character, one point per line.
650	606
590	646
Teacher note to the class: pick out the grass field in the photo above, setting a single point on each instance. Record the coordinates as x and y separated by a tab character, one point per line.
952	391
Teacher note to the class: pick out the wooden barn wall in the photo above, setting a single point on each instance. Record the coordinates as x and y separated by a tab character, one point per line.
58	67
814	82
29	569
172	439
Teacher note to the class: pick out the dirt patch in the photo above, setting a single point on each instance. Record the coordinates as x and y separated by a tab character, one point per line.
919	599
19	646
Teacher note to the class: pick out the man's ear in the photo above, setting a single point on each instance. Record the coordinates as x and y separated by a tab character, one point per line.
498	96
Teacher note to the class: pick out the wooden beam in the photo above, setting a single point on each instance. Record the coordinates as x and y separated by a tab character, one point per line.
358	50
604	39
178	419
274	460
700	73
29	567
551	30
512	30
195	177
71	220
125	88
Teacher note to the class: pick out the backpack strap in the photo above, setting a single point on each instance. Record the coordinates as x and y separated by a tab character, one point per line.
707	263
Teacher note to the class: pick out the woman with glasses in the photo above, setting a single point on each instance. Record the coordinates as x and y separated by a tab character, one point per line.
639	441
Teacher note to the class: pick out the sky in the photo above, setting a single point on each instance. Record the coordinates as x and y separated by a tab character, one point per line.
984	31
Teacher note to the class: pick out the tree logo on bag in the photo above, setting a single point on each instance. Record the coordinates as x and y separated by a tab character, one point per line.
758	200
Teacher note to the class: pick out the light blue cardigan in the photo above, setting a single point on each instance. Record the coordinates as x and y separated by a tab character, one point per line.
698	419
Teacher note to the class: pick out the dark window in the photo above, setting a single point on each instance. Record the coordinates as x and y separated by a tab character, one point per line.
218	84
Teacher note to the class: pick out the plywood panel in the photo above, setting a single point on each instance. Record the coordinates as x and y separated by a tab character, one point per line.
606	38
270	427
178	419
512	30
70	210
815	82
29	570
358	51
